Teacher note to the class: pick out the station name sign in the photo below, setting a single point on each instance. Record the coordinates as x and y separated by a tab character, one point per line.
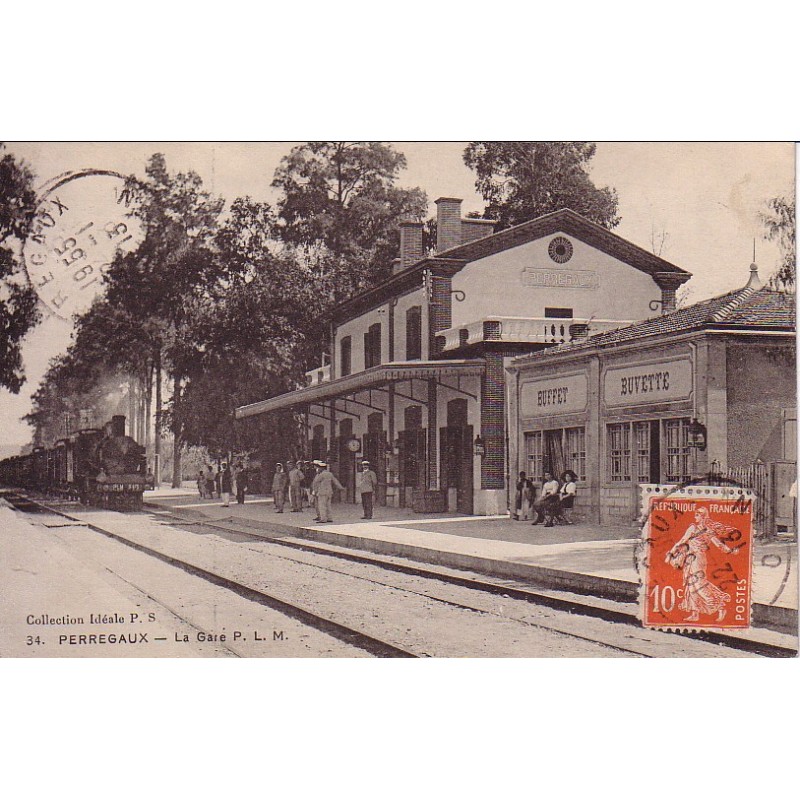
551	396
562	279
663	381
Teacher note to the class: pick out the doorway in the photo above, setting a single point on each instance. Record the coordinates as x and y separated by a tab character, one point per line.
456	470
347	461
375	452
413	455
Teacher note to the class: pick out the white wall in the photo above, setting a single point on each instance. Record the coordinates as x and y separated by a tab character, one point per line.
495	285
357	327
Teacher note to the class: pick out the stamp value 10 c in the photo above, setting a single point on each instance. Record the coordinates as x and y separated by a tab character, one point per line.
697	558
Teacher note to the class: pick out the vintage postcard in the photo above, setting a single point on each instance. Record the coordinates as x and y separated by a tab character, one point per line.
398	399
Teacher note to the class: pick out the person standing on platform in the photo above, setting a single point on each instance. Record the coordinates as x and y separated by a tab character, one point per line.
521	481
218	482
201	484
366	483
210	484
295	486
226	485
324	484
528	495
308	478
279	483
241	483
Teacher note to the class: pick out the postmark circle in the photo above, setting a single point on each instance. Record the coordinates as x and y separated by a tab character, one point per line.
82	219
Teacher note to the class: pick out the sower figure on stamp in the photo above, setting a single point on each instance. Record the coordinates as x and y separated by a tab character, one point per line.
324	484
700	596
279	484
366	483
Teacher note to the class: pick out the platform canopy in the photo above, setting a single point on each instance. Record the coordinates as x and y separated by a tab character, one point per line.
372	378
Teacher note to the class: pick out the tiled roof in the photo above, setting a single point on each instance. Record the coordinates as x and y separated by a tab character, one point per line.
747	308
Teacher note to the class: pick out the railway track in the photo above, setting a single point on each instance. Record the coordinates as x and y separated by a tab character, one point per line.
515	592
338	631
374	645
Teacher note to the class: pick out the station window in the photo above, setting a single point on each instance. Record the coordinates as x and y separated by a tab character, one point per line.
676	437
556	451
533	448
346	356
372	346
575	451
414	333
619	452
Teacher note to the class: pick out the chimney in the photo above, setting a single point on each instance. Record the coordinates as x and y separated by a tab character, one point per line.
472	229
669	282
410	245
448	223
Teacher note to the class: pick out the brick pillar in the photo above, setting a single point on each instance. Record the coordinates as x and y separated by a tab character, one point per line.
433	436
493	410
410	243
448	223
440	311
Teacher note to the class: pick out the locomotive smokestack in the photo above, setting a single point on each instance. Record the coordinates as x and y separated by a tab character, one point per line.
118	425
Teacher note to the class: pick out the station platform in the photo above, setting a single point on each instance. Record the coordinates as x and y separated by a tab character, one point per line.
588	559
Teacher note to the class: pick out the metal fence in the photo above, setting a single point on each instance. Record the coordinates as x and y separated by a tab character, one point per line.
755	477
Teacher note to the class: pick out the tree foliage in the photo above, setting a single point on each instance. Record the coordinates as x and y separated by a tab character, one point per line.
779	224
523	180
18	311
233	308
341	199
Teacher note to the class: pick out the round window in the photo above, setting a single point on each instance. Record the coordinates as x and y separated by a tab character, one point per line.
560	250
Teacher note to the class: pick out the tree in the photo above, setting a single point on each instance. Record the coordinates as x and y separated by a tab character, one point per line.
341	196
18	311
779	222
523	180
154	287
256	339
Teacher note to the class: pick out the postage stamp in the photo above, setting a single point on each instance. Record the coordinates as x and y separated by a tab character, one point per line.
697	555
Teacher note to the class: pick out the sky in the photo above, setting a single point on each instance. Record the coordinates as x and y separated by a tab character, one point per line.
701	199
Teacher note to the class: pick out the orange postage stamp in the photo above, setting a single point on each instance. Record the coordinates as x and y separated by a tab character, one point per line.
697	557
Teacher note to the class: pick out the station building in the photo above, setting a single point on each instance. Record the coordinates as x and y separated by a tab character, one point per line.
710	388
416	380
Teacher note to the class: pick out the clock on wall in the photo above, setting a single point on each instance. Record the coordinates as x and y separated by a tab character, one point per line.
560	250
353	445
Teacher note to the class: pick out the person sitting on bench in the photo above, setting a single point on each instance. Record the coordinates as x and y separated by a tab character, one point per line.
566	496
548	501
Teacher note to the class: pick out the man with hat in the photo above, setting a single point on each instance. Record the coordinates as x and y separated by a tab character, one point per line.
324	484
295	485
366	483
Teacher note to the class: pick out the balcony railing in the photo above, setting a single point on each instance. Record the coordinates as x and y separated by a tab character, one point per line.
533	330
319	375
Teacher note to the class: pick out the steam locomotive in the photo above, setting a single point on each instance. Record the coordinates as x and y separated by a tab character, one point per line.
100	467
